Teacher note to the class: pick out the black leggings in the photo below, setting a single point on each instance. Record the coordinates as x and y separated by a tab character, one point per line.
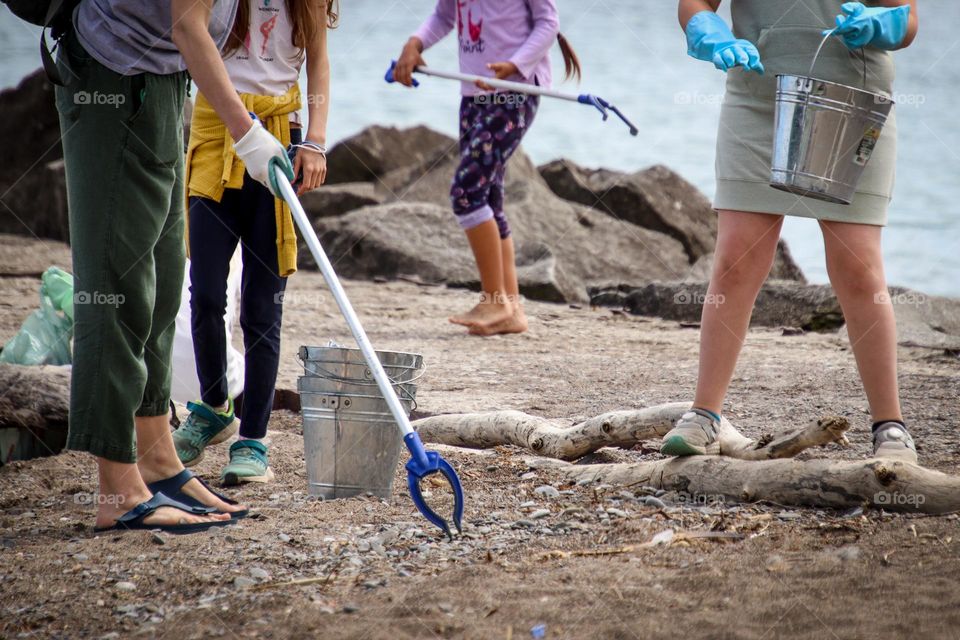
246	216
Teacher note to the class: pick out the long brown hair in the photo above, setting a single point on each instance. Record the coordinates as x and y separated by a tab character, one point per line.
304	14
571	63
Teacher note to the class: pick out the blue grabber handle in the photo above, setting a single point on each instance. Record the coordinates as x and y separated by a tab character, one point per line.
602	106
389	75
423	463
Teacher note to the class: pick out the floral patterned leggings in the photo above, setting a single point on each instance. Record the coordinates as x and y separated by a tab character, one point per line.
491	127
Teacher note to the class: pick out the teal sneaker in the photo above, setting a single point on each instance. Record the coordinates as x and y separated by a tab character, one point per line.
203	427
248	463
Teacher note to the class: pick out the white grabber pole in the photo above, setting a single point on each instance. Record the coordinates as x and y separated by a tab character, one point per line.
422	462
520	87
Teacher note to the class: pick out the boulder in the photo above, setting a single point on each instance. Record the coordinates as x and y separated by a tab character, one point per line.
32	191
655	198
421	239
377	150
36	206
337	199
925	321
539	276
780	303
659	199
784	268
428	180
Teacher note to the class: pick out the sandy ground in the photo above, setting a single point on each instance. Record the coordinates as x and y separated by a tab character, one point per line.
374	569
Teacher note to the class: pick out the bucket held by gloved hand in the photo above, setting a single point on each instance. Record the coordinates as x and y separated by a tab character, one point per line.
824	135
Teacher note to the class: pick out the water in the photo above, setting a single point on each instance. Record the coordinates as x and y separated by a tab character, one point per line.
633	54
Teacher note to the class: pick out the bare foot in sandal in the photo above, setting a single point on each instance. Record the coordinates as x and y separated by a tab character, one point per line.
123	501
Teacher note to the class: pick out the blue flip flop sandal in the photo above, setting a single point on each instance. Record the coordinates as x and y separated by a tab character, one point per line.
172	487
134	519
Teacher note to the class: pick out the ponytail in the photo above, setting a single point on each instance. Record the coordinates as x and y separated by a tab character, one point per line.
571	63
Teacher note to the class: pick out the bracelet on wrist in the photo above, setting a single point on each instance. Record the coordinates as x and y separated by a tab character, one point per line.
315	147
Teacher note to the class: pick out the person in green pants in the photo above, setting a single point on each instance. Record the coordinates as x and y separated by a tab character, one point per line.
771	37
121	122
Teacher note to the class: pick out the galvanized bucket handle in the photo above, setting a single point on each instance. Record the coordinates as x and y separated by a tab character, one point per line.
398	384
816	56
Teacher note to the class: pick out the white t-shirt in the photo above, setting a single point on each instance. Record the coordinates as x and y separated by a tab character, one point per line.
268	63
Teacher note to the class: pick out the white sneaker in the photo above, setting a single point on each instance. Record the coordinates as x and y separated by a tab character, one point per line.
892	441
696	434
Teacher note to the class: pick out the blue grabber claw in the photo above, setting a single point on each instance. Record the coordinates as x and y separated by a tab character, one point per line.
423	463
586	98
603	106
633	129
389	75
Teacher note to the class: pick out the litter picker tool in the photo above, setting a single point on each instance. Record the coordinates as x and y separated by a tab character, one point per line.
422	462
601	105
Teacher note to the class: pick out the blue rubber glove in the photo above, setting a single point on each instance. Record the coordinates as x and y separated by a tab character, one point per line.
880	27
710	39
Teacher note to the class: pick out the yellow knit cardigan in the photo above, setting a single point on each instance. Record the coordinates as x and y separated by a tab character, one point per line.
212	166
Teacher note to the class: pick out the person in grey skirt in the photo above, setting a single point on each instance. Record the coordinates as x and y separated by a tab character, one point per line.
771	37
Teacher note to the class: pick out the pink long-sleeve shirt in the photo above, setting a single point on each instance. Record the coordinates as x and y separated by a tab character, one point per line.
518	31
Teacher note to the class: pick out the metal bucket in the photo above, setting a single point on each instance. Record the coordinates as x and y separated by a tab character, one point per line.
351	442
824	135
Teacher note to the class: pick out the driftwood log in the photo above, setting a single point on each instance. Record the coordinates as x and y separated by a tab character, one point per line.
624	429
748	470
884	484
34	397
34	403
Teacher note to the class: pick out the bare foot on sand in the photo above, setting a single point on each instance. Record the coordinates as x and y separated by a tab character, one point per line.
485	314
516	323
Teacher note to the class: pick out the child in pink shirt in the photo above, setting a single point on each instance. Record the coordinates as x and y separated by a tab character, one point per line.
508	40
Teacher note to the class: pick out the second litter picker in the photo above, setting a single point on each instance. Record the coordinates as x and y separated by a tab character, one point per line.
584	98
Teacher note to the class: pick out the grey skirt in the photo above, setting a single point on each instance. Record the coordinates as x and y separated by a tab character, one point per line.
745	136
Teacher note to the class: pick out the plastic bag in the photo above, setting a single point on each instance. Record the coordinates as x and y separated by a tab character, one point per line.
45	335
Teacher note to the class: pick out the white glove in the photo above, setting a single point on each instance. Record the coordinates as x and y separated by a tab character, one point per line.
260	151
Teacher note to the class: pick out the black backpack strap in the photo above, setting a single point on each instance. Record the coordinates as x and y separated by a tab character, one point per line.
49	64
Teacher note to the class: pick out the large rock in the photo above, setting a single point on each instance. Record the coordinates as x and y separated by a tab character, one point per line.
784	268
331	201
32	189
539	276
337	199
791	304
378	150
421	239
656	198
923	321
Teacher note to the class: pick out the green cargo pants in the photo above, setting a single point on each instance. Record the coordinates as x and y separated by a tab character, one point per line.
123	151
